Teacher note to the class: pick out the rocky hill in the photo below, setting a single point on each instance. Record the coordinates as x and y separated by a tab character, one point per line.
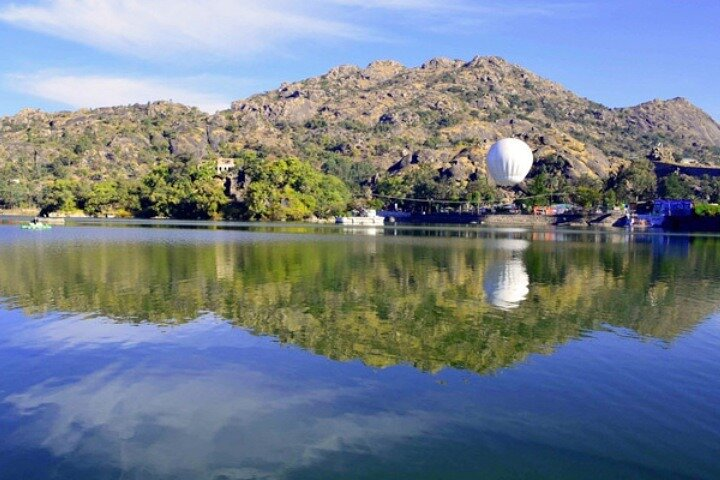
100	143
387	117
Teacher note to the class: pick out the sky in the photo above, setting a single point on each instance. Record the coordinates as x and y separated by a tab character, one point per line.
69	54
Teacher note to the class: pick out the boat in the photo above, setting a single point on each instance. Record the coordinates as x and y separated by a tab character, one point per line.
35	226
365	218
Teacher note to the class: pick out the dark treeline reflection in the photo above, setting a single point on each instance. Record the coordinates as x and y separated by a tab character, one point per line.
478	304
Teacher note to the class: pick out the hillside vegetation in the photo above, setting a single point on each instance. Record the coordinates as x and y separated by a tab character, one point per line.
384	129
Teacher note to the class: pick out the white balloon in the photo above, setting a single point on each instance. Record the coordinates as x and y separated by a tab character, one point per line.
509	161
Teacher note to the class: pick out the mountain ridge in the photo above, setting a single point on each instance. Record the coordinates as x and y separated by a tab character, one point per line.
392	119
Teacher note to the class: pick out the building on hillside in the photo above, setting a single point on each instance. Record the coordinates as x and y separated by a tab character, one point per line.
224	165
670	207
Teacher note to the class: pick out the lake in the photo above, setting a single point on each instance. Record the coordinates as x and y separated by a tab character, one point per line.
256	352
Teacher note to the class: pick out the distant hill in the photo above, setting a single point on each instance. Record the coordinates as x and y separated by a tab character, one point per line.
445	114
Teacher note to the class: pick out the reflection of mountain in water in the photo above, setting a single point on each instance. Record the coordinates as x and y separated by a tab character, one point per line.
429	302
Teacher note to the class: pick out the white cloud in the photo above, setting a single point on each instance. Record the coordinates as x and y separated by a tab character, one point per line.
91	91
162	28
174	29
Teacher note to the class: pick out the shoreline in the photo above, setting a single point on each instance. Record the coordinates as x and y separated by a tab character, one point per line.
517	227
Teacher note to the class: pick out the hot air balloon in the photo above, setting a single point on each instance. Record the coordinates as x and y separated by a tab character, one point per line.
509	161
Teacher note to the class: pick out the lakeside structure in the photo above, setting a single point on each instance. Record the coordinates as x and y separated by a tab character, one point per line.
363	218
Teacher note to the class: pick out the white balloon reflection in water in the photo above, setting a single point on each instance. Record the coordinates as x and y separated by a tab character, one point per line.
507	282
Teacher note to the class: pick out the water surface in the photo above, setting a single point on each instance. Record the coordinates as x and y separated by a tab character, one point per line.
158	353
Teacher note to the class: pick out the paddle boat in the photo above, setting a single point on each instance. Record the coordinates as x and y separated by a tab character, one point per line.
35	225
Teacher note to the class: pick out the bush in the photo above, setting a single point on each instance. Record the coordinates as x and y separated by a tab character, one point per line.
317	122
707	209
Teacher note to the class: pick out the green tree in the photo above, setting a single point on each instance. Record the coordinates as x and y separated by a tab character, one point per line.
59	196
635	182
200	194
675	186
353	173
290	189
480	192
393	186
609	198
103	197
156	194
587	192
332	196
587	197
14	194
423	183
182	190
538	189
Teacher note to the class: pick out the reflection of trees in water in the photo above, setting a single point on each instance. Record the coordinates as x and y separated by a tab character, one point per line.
403	300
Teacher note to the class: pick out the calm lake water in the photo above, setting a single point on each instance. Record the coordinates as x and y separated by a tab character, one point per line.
299	353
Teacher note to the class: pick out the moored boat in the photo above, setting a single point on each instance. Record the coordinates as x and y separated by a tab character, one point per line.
35	225
366	217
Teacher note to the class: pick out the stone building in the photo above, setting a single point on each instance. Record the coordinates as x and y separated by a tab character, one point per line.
224	165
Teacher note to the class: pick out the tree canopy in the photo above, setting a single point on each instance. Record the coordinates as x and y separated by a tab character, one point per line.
290	189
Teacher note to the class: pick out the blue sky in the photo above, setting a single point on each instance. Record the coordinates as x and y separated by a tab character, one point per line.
64	54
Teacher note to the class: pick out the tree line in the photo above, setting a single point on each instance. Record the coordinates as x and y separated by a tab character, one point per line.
281	189
288	188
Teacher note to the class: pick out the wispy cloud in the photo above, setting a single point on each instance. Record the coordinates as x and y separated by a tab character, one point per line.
172	27
92	91
489	8
239	28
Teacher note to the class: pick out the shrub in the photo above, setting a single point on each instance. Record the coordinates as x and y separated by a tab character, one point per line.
707	209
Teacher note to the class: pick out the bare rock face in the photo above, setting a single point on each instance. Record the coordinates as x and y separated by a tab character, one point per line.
383	70
189	141
297	110
440	63
676	117
343	72
459	169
